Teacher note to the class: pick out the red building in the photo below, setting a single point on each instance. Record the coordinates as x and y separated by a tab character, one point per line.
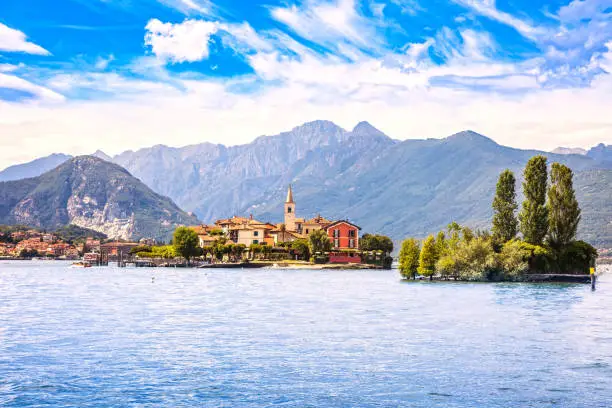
343	235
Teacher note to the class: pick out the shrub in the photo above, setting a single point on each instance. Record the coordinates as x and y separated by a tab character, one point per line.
514	260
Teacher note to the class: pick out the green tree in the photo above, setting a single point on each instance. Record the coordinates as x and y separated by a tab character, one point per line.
409	258
514	260
186	243
505	223
534	214
563	209
319	241
475	259
428	257
369	242
441	245
255	249
301	246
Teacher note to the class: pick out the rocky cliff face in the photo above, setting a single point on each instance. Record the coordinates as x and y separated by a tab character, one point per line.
216	181
91	193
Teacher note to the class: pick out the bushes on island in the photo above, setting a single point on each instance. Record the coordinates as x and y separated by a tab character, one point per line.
547	243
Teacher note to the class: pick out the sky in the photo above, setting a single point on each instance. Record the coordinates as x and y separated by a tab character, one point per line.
82	75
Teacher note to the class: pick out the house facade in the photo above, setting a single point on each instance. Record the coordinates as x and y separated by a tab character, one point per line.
343	235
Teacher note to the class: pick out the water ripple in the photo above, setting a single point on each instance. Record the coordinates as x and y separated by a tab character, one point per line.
229	338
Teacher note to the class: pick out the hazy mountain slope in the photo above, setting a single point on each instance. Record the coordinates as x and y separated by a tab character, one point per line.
215	180
594	191
417	186
34	168
413	187
91	193
602	153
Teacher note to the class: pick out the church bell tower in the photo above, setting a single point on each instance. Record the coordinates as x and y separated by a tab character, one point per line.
290	211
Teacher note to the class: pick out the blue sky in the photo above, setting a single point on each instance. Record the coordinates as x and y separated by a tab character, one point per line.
78	75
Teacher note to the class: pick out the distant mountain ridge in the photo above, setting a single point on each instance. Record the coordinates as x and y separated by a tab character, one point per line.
34	168
91	193
399	188
570	150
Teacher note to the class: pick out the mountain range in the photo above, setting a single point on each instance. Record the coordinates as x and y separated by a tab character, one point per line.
91	193
399	188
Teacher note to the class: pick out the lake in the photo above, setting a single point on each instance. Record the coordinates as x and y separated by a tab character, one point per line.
102	337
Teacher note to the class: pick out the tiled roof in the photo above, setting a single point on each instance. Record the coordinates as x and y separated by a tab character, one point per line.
340	222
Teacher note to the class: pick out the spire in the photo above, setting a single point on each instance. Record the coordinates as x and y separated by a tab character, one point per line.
289	195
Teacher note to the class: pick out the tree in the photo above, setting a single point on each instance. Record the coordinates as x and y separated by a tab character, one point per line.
563	210
514	260
319	241
428	257
441	245
186	242
409	258
302	248
505	223
369	242
255	249
475	259
534	214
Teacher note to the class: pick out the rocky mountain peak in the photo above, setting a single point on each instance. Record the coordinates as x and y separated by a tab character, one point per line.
91	193
471	137
365	128
101	155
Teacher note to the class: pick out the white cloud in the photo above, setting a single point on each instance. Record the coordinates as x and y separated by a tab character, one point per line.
489	9
41	92
184	42
404	93
103	62
12	40
329	24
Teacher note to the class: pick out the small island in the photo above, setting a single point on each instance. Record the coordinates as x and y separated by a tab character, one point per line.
537	245
245	242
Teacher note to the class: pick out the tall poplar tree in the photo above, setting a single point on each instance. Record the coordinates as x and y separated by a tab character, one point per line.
564	211
505	224
409	258
428	257
534	214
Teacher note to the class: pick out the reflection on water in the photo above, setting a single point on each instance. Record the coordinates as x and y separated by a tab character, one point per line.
110	337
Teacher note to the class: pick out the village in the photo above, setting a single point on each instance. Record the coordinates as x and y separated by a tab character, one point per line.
239	241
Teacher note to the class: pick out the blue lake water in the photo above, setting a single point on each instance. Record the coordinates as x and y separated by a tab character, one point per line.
103	337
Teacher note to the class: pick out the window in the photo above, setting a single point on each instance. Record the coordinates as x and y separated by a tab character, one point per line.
352	233
351	243
307	231
256	241
336	243
289	210
255	233
336	233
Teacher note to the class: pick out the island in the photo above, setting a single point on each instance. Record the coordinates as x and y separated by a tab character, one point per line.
538	244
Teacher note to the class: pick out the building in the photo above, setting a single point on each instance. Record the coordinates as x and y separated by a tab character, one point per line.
342	234
248	231
148	241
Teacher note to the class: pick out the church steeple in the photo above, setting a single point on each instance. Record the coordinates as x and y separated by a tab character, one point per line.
290	211
289	195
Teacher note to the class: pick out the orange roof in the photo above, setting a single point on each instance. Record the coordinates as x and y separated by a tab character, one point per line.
318	220
207	238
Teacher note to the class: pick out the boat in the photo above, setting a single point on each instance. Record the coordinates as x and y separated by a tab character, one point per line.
81	264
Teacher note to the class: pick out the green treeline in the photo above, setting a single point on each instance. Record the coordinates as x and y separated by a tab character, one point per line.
540	239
